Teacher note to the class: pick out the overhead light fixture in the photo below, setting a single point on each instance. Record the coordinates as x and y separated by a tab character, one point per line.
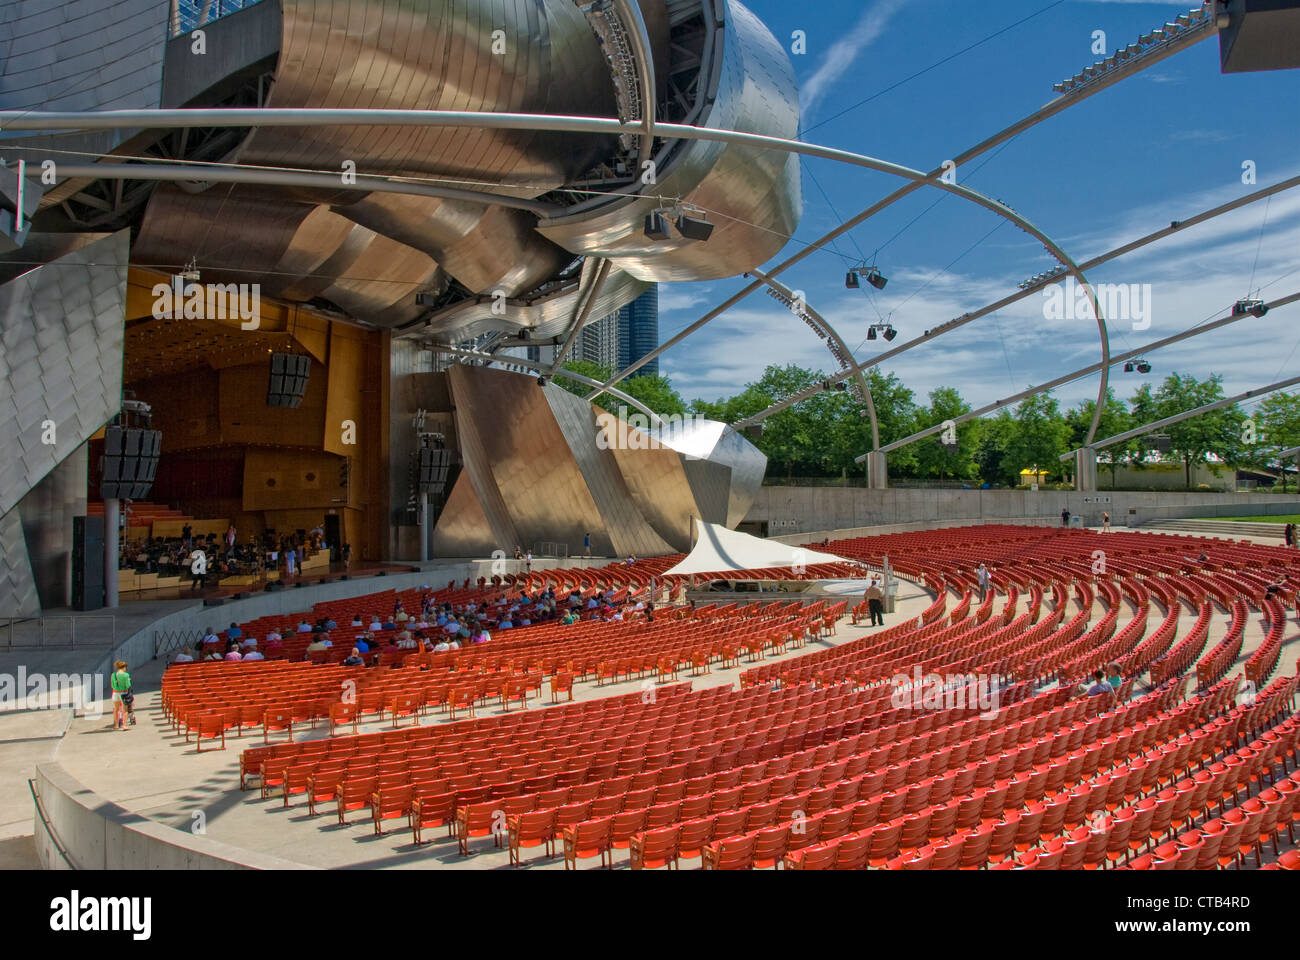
1250	305
1128	367
656	227
871	333
841	386
876	278
851	280
694	228
1143	367
890	333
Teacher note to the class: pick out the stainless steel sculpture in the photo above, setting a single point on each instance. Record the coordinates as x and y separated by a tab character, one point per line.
62	327
540	464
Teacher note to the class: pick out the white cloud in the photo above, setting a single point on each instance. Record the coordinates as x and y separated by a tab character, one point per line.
844	52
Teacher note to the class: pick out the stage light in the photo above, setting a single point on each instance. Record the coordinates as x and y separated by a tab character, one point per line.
694	228
890	333
876	279
841	386
1143	367
1128	367
851	280
656	227
871	333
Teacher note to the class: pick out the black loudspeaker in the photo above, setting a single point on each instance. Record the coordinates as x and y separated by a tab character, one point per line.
433	467
130	462
289	372
88	563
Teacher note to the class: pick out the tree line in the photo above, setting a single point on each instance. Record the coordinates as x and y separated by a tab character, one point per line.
821	436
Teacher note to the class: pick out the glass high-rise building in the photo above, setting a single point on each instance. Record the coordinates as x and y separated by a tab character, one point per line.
638	331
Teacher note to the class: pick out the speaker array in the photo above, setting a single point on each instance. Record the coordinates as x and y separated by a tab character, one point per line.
433	467
130	462
289	373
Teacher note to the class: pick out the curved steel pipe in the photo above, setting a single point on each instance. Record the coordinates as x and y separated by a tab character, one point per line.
839	341
240	173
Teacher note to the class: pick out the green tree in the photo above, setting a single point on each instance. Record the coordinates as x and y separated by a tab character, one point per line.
934	458
656	392
1277	425
1216	434
1040	437
993	449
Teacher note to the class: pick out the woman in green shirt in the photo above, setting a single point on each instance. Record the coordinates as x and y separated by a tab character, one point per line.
120	682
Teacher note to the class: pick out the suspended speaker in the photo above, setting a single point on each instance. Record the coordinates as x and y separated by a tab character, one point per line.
288	384
130	462
433	466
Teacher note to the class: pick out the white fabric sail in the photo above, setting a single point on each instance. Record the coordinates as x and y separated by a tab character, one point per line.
718	549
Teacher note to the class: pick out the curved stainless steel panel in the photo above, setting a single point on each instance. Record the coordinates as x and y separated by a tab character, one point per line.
754	195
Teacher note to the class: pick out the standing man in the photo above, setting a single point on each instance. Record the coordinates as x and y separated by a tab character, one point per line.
1105	523
1065	518
586	544
982	577
875	598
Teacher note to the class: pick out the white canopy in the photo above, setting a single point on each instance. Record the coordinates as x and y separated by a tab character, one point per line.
718	549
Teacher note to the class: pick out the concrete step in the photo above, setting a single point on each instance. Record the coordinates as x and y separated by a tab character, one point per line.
1225	529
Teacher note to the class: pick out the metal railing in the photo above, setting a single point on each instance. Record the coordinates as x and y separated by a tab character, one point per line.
165	641
187	15
46	637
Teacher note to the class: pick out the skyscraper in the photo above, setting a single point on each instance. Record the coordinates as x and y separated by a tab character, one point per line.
638	331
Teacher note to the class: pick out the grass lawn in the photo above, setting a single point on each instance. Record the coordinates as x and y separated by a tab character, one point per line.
1281	518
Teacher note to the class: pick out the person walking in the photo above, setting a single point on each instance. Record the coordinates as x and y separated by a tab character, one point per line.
875	598
982	578
1288	534
123	698
1105	523
586	544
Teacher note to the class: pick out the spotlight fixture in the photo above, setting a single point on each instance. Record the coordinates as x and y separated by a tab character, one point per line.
871	333
694	227
1128	367
885	330
841	386
1143	367
1251	305
656	227
191	271
871	274
1148	43
890	333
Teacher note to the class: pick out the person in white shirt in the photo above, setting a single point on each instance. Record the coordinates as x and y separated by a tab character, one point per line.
405	641
592	604
617	616
211	637
376	623
250	643
455	644
183	657
304	626
356	621
442	646
273	636
253	655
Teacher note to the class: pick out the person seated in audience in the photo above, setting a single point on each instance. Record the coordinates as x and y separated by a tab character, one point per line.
325	639
1114	677
183	656
442	646
363	642
233	654
330	624
273	636
317	645
354	659
214	655
593	603
480	635
274	644
356	620
617	615
250	653
304	626
570	618
454	643
389	625
629	561
1099	685
375	622
210	636
506	623
406	641
249	642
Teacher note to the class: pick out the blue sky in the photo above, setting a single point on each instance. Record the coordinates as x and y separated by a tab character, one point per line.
1160	146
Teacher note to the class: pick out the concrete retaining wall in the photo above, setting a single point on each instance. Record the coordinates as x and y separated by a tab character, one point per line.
98	835
819	510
